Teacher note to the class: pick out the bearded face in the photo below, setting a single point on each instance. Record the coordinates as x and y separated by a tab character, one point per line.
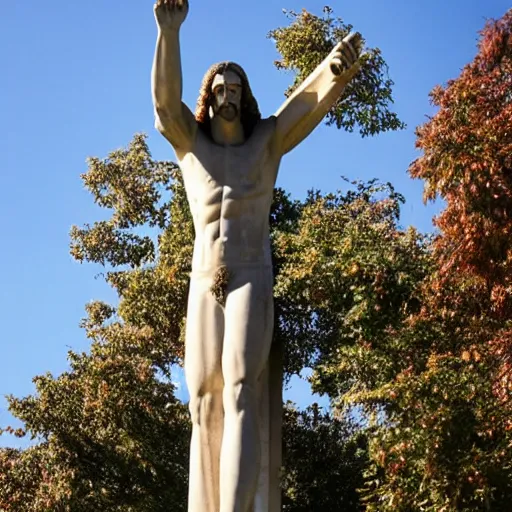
226	96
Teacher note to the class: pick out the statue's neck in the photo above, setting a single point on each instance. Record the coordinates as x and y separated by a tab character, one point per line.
227	133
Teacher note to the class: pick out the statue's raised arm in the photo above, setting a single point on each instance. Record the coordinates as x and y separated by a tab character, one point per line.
311	101
172	117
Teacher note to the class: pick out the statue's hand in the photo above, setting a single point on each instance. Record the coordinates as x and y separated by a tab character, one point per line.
346	53
170	14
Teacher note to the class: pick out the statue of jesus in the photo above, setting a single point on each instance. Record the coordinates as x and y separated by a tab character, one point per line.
229	157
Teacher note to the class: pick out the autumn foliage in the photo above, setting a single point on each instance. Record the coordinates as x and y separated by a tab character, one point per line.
467	160
446	443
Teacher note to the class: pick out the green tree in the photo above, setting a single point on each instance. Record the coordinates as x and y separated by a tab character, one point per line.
114	437
365	102
325	458
351	277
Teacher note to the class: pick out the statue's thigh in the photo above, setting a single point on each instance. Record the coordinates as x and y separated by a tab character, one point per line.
249	319
203	338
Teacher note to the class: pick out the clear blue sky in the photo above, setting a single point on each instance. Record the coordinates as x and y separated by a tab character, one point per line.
76	82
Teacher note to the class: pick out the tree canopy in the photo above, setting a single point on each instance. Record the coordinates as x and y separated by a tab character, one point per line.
365	102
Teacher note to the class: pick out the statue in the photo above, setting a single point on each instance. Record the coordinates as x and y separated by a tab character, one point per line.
229	157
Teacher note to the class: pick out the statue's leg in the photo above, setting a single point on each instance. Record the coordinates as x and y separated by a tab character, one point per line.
268	495
203	371
247	339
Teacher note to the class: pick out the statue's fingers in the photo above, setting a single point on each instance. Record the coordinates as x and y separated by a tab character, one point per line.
349	52
354	38
359	48
346	59
337	66
356	42
161	5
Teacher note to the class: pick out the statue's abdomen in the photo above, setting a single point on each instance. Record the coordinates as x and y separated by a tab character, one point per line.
230	192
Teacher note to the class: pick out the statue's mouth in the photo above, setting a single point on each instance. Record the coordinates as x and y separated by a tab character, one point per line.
229	111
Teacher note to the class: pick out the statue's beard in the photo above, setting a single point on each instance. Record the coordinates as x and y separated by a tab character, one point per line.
228	112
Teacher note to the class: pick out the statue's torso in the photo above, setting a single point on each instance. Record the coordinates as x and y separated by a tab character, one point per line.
229	189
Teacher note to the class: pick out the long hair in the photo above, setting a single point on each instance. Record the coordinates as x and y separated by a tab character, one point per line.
249	110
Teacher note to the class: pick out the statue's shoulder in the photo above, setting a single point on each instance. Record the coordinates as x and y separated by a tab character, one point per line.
268	122
267	129
266	126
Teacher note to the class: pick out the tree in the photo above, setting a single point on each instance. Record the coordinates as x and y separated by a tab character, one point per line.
114	437
307	40
437	398
467	160
325	458
351	277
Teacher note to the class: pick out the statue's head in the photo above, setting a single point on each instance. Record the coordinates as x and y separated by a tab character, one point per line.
226	92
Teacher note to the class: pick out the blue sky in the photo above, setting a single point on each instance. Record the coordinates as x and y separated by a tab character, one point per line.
76	83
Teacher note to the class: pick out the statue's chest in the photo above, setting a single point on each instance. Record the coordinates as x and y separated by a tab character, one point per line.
236	167
240	168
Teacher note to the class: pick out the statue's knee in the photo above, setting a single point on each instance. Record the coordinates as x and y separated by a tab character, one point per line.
203	405
238	397
194	406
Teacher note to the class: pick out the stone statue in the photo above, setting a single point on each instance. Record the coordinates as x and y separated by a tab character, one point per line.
229	157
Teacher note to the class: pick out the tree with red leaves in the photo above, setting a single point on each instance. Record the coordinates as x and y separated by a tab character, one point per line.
467	160
446	440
